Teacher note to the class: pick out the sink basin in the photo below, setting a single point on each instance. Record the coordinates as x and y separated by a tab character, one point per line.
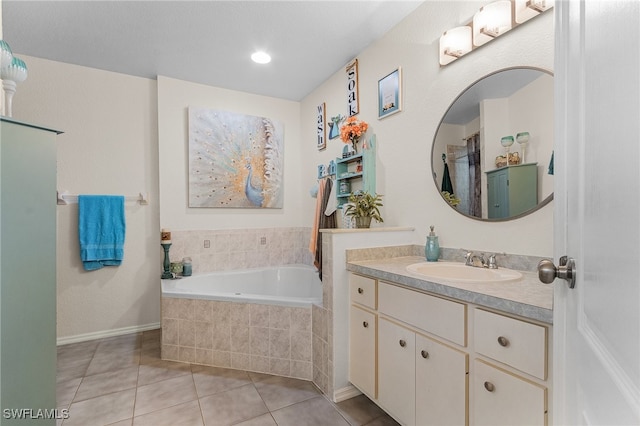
452	271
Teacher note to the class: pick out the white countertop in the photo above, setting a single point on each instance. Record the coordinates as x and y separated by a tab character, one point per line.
526	297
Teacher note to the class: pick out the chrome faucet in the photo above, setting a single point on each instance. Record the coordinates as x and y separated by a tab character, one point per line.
479	261
472	259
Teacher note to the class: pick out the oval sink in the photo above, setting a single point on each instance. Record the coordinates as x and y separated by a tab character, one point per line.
452	271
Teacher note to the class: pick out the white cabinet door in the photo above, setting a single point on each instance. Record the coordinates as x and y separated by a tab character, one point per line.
396	371
441	384
362	351
502	398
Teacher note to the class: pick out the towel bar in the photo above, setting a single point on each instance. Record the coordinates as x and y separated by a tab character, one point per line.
65	198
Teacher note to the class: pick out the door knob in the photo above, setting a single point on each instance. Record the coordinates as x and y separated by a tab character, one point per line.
566	270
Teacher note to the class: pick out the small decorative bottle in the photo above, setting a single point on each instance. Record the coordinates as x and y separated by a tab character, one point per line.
432	248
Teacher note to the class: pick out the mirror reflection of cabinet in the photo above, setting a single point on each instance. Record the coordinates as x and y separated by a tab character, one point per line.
512	190
504	103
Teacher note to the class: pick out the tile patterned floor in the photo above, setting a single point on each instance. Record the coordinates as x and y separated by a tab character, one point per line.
123	381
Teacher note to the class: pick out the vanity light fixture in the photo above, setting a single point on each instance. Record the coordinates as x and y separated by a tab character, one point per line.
491	21
455	43
261	57
527	9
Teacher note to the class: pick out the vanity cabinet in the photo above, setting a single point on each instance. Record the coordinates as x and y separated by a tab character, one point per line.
512	190
358	172
429	360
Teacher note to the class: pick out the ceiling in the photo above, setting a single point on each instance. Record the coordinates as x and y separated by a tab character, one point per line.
207	42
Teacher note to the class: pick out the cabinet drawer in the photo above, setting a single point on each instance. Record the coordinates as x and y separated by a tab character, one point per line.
441	317
520	344
362	290
501	398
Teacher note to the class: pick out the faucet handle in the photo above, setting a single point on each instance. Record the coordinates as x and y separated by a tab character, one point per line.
492	262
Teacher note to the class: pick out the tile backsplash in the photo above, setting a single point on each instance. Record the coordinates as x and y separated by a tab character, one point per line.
230	249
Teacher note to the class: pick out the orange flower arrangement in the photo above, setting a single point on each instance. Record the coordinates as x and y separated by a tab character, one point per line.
352	129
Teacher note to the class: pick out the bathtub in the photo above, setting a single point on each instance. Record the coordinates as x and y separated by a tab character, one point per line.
254	320
292	285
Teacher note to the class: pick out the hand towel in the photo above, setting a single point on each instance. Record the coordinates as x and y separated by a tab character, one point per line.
101	230
332	203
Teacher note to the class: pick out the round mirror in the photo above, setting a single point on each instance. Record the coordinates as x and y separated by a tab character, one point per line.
492	155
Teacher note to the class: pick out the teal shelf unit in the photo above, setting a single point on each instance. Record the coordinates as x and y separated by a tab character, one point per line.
347	171
512	190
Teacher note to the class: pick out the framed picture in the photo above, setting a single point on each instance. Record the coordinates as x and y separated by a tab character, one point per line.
235	160
321	127
390	94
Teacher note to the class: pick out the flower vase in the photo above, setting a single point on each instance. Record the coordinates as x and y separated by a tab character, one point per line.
354	145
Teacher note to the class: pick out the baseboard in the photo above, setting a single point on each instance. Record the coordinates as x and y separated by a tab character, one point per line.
106	333
345	393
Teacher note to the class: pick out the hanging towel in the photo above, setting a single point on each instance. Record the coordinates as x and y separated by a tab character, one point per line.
101	230
332	203
446	180
550	169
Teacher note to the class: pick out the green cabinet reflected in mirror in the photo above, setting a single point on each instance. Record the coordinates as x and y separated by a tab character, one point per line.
492	155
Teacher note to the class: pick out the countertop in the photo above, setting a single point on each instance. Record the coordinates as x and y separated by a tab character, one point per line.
526	297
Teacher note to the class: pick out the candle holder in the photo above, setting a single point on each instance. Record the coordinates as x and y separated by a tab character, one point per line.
167	263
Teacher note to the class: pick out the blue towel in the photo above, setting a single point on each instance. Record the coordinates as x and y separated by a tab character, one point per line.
101	230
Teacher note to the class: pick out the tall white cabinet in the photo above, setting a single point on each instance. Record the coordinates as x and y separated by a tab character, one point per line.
27	269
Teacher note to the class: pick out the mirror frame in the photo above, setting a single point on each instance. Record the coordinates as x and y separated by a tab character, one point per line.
540	205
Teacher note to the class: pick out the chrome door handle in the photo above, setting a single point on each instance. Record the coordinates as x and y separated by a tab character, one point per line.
547	271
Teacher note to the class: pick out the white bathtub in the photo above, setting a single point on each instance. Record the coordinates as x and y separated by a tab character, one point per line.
294	285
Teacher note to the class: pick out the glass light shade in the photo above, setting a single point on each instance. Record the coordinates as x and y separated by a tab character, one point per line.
522	137
506	141
16	72
261	57
5	54
491	21
455	43
527	9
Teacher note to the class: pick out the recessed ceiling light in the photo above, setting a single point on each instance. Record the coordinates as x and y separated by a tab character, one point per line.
261	57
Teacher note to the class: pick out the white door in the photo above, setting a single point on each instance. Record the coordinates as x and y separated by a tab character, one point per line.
597	212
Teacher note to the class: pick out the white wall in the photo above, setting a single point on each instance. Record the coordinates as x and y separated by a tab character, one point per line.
174	97
109	147
405	139
123	132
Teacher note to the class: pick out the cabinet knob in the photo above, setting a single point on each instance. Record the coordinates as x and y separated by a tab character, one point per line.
489	386
360	290
424	354
365	324
503	341
402	343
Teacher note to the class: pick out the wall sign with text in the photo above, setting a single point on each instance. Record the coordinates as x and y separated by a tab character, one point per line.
321	127
353	101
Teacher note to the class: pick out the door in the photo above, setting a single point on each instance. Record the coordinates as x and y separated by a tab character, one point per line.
597	210
362	350
397	371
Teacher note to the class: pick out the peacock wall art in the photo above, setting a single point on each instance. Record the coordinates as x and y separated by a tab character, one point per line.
235	160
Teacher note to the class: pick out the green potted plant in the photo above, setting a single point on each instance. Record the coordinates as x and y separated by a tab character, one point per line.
364	207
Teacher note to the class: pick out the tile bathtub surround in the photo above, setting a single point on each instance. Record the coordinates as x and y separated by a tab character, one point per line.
156	392
253	337
231	249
